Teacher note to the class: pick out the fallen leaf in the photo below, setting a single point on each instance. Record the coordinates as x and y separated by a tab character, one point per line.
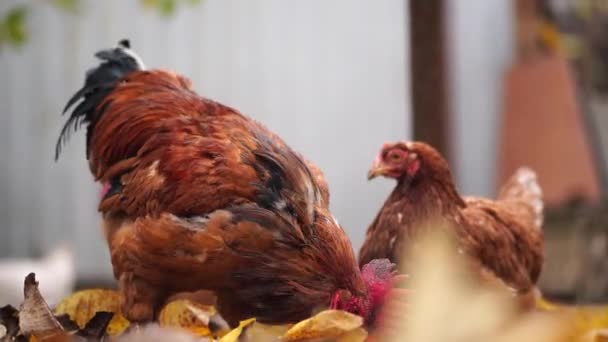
35	316
96	326
155	333
334	325
9	322
598	335
234	334
449	301
584	323
199	319
545	305
216	324
258	332
81	306
67	323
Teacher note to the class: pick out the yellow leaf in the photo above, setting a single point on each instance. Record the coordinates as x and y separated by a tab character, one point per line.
258	332
357	335
450	301
585	322
597	335
234	334
190	316
334	325
545	305
54	338
81	306
117	325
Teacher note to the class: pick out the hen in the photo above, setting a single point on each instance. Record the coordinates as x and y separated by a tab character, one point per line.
503	237
200	197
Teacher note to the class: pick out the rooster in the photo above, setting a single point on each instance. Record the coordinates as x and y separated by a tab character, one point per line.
200	197
503	237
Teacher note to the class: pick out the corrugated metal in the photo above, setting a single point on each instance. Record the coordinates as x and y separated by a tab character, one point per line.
480	45
329	76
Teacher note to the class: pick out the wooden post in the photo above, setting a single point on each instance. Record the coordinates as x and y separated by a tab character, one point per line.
429	70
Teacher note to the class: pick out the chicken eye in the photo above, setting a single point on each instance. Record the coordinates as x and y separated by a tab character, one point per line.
394	156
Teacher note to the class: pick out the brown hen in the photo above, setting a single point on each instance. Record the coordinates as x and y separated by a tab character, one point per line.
503	237
199	196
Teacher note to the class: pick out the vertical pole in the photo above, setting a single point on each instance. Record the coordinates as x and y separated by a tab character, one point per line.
429	73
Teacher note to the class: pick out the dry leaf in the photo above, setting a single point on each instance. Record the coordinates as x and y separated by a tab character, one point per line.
597	335
252	331
96	327
234	334
199	319
155	333
258	332
583	323
9	322
35	316
330	325
538	327
545	305
81	306
448	302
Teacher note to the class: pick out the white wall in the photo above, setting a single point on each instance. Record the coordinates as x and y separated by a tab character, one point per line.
480	47
328	76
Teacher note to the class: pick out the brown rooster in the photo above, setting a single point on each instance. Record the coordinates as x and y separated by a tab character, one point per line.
503	236
199	196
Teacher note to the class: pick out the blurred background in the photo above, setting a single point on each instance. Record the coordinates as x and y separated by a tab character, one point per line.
493	84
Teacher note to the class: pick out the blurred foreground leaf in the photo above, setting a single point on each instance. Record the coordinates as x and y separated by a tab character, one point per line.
448	300
580	323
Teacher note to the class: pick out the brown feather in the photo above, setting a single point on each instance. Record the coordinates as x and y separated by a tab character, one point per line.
502	236
229	249
203	198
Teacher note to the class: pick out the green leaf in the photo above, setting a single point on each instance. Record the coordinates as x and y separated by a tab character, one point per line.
13	26
67	5
167	7
150	3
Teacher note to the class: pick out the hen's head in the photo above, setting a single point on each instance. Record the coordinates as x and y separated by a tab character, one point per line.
378	278
405	160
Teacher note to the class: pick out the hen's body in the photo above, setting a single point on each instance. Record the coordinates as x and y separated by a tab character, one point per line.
503	236
202	197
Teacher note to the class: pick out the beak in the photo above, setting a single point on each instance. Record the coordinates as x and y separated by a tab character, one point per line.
375	171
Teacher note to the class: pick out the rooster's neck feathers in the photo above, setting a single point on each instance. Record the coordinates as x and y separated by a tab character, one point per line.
99	82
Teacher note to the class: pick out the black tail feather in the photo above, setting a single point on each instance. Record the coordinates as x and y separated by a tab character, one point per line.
99	82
